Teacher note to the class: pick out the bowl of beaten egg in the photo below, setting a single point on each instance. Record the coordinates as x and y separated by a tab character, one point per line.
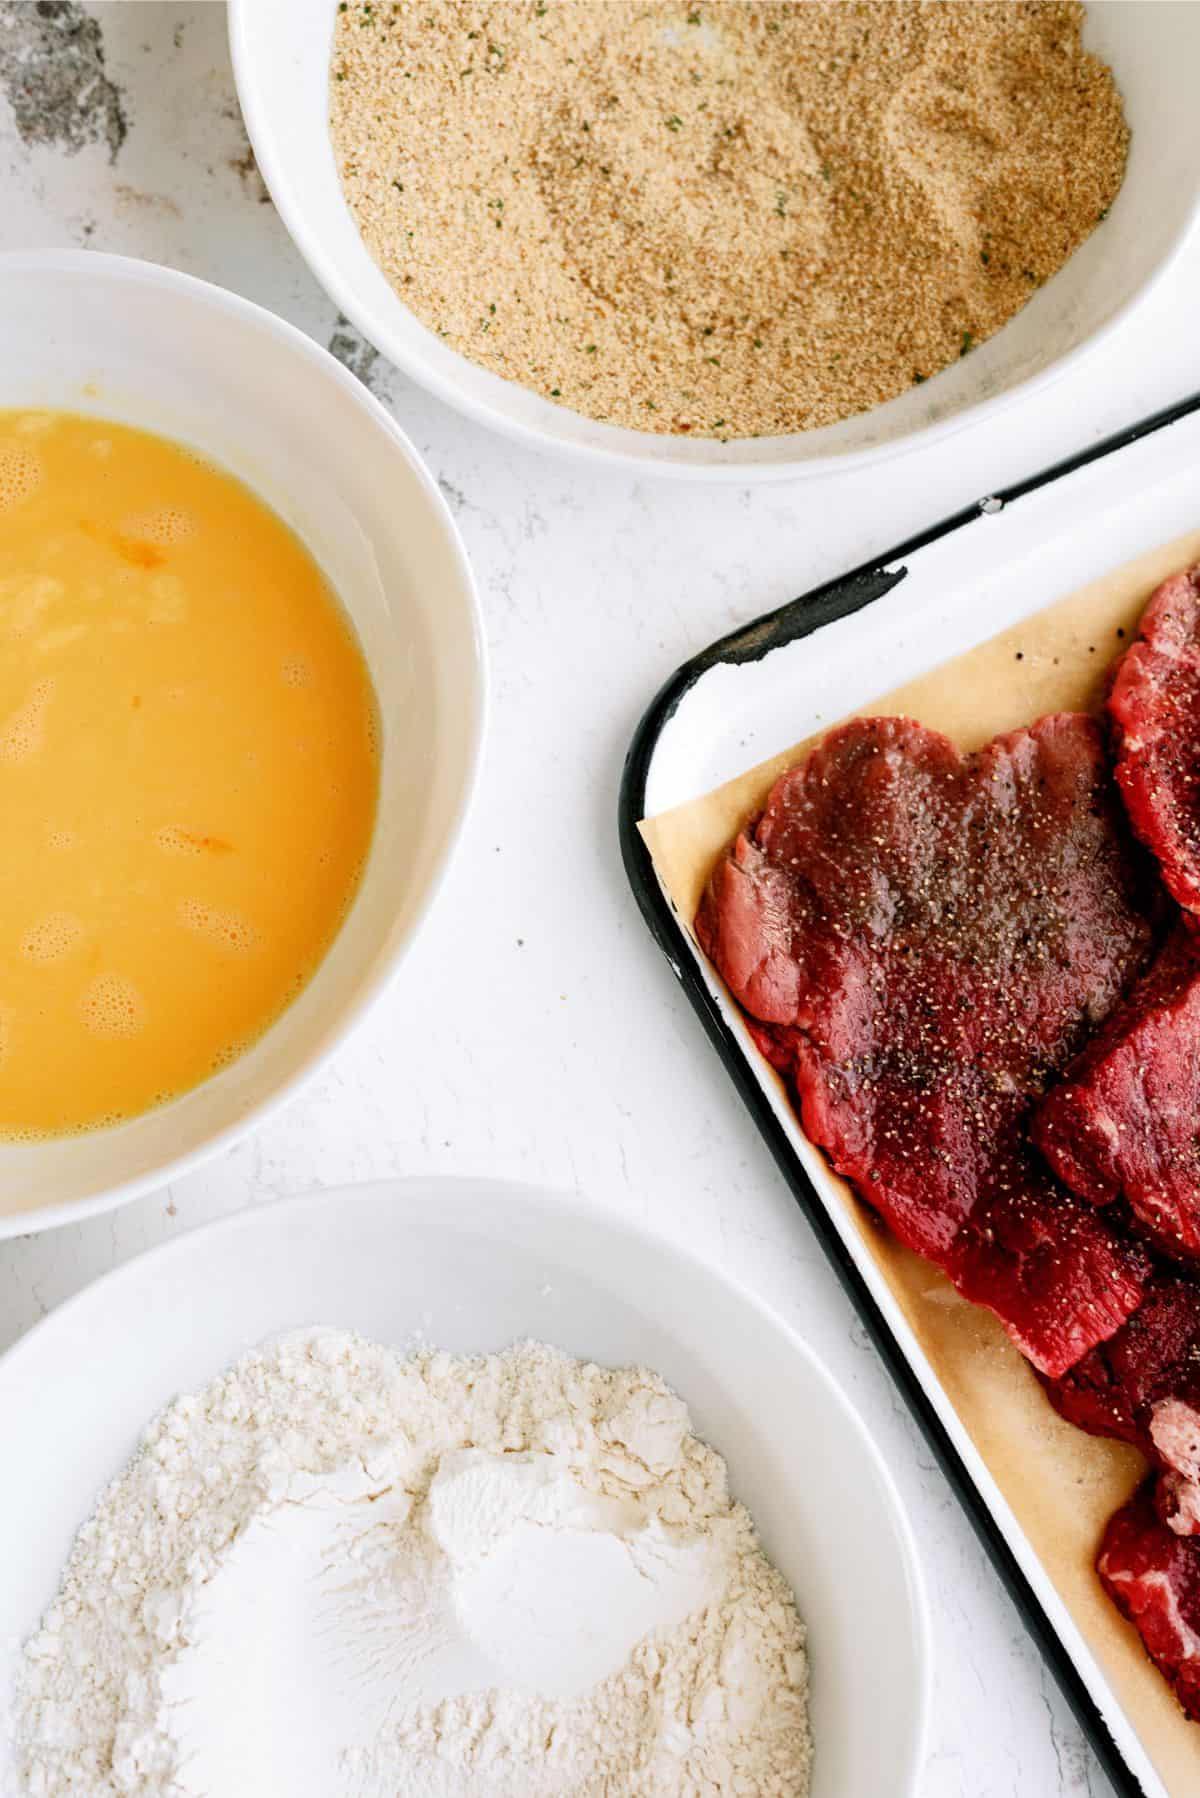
241	703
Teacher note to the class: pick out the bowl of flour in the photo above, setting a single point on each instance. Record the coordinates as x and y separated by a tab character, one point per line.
449	1489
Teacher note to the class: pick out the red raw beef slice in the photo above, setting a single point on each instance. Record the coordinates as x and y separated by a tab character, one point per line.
1153	1577
1127	1117
922	939
1153	1360
1143	1386
1155	705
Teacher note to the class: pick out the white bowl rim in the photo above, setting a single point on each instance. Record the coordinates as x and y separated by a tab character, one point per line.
411	363
419	1189
221	299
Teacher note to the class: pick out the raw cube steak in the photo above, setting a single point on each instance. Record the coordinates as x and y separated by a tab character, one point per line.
922	940
1125	1119
1153	1577
1116	1389
1155	708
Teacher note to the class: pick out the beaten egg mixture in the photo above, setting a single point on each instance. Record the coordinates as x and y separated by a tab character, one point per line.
189	764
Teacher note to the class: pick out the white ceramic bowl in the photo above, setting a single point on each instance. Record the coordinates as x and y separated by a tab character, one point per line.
142	344
281	51
472	1266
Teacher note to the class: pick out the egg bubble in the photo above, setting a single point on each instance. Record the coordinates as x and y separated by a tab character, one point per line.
23	731
172	839
51	938
113	1007
228	929
162	525
22	472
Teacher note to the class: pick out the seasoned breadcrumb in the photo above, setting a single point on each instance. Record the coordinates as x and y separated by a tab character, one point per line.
731	218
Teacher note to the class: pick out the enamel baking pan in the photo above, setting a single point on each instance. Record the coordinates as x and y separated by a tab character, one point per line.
796	671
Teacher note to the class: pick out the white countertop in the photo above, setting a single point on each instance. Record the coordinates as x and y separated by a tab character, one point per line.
536	1033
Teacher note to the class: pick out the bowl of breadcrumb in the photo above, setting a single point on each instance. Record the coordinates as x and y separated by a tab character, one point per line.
721	240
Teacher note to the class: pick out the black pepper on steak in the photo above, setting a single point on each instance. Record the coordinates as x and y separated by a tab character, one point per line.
922	941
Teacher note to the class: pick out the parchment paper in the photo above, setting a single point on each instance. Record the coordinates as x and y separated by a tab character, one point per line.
1061	1484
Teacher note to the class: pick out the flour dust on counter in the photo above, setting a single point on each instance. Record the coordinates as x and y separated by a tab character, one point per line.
340	1570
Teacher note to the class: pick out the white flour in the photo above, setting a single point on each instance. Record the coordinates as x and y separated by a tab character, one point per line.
339	1572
